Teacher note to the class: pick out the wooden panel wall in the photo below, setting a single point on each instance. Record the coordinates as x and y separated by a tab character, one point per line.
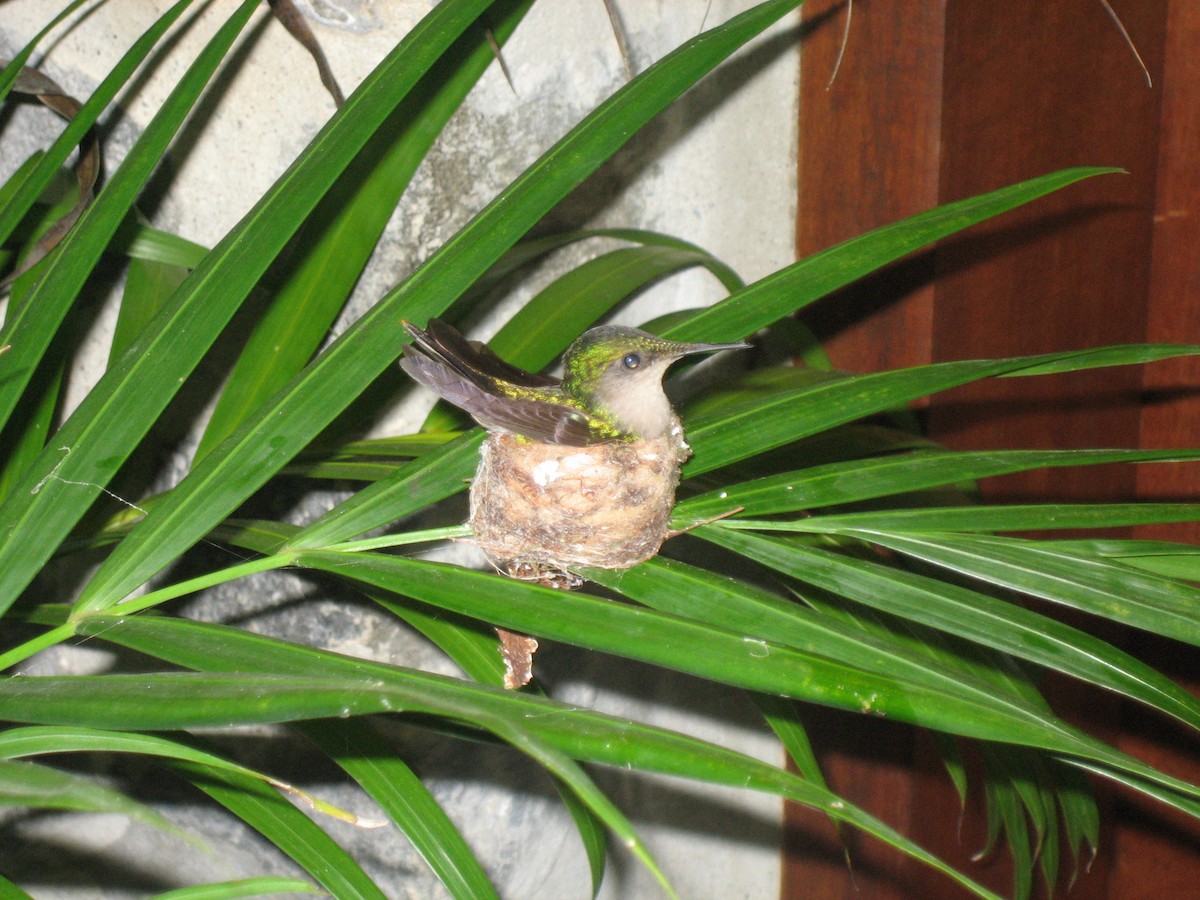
937	100
1155	854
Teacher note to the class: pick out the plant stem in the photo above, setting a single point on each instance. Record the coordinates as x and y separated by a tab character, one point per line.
449	532
43	641
170	592
200	582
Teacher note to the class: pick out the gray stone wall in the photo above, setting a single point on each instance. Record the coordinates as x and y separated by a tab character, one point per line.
717	169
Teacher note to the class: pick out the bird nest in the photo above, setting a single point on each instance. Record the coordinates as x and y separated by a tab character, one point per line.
540	511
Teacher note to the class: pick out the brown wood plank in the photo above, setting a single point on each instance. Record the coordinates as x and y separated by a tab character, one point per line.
1172	418
953	98
867	156
1031	87
1157	854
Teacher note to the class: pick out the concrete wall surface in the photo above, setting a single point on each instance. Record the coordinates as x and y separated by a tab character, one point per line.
717	169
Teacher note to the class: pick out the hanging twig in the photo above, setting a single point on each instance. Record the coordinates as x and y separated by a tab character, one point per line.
291	19
495	45
1112	14
618	31
837	63
31	82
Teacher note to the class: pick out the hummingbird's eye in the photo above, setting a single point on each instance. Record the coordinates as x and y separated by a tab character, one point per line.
631	361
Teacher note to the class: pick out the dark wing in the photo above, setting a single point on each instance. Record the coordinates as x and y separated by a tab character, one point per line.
457	370
472	359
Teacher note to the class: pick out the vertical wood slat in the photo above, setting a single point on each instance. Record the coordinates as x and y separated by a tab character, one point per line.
946	98
1031	87
1157	854
876	125
1173	416
868	155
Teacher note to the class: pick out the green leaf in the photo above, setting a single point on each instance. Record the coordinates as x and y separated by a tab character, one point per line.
57	203
28	189
970	615
794	287
108	424
357	687
952	759
400	446
149	283
764	620
726	608
544	326
865	479
11	892
1028	517
568	772
473	649
51	491
263	444
288	829
529	250
591	834
36	786
63	273
17	742
730	657
324	264
370	460
719	439
1177	561
246	887
476	652
1081	817
25	435
1111	590
1022	784
1044	812
946	652
24	172
784	719
433	477
359	750
139	240
32	741
1004	800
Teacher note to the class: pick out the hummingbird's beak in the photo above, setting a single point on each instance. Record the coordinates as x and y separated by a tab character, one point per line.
689	349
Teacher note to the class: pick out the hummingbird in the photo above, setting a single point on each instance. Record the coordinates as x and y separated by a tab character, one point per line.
611	389
575	473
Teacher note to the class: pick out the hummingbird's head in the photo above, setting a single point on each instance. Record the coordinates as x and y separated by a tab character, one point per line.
617	372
